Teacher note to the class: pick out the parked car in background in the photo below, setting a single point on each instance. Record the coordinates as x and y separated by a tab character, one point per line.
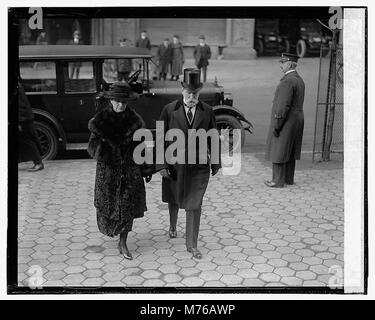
63	104
267	38
306	36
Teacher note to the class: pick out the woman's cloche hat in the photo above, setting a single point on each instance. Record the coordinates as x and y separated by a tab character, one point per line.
120	91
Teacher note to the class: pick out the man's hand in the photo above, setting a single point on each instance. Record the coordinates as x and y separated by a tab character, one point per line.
164	173
276	132
19	128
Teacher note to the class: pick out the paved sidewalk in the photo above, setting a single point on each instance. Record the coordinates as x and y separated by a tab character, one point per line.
250	235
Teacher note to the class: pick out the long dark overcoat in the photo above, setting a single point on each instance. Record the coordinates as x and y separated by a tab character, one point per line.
119	187
189	182
178	59
164	55
287	116
201	55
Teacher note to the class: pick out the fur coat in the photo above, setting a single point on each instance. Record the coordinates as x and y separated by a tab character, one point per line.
119	187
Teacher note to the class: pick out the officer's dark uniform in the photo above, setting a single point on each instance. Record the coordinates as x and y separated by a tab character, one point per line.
284	140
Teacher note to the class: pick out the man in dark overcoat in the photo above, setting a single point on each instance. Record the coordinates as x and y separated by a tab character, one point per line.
184	184
284	140
202	52
163	56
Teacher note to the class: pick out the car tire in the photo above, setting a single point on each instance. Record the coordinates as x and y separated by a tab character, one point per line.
229	122
301	48
47	139
260	46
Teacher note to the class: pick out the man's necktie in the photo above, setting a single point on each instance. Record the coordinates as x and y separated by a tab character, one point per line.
190	115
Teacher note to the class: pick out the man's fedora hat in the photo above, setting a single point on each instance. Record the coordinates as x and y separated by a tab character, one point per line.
289	57
120	91
192	79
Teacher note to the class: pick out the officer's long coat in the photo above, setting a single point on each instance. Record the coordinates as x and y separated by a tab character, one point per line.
188	183
287	116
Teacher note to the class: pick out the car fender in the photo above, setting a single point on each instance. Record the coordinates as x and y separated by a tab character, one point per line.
40	114
223	109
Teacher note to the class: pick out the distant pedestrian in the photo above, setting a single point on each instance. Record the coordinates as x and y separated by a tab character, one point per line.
178	58
143	41
202	53
42	38
120	194
29	147
287	120
124	66
163	56
75	66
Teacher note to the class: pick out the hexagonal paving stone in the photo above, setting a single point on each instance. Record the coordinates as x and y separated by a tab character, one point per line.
291	281
298	266
193	282
169	268
284	272
149	265
210	275
292	257
172	278
187	272
74	269
93	273
253	283
73	279
312	260
262	267
226	270
231	279
93	282
306	275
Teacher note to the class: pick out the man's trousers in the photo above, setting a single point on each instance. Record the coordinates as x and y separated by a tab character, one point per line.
283	172
193	218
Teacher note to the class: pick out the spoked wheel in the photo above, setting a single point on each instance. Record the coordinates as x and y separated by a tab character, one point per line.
47	139
226	125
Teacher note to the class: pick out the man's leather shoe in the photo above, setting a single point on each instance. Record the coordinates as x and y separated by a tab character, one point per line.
272	184
36	167
195	252
172	233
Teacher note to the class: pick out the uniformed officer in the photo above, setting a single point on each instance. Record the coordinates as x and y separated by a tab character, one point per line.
286	129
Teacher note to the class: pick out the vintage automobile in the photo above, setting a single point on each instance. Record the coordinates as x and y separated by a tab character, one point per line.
268	38
306	36
64	82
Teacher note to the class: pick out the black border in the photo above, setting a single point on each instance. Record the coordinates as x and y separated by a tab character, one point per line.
148	12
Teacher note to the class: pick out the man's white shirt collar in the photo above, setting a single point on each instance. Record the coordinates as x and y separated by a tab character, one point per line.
290	71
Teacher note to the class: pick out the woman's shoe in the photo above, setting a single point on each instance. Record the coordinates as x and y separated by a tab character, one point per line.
125	252
36	167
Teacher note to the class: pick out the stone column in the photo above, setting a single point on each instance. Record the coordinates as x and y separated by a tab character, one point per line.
240	39
126	28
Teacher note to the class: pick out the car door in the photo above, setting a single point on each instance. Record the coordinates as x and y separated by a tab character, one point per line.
79	92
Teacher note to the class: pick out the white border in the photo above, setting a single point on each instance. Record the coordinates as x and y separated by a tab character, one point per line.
354	90
99	3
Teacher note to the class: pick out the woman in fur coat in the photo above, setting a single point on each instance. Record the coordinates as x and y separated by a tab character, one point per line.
120	193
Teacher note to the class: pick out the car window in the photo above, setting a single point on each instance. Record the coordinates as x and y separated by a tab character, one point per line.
79	76
117	69
38	76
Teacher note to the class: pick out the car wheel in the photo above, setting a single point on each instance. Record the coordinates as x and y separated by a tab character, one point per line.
229	123
47	139
260	51
301	48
